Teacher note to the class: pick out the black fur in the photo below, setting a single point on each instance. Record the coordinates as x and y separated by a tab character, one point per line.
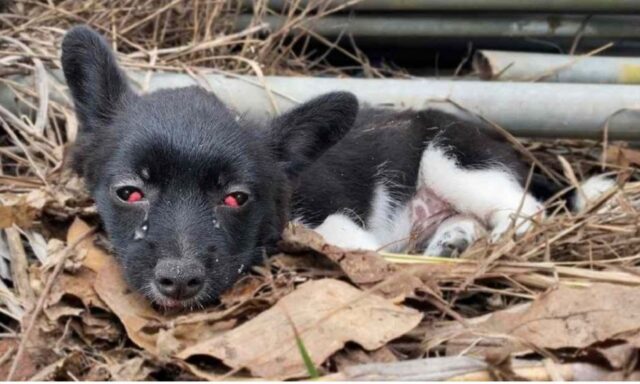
391	143
186	150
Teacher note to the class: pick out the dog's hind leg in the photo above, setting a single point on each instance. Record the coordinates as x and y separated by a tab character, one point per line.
488	190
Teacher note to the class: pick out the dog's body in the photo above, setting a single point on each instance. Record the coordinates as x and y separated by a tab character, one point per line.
191	196
401	175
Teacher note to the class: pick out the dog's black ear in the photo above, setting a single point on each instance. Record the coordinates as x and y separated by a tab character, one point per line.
97	85
300	136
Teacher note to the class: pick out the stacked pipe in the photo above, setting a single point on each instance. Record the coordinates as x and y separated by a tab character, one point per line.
587	24
530	94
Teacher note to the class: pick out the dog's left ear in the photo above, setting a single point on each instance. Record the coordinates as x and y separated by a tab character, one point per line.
300	136
98	86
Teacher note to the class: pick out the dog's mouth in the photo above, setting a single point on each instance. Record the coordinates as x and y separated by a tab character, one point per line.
205	297
168	304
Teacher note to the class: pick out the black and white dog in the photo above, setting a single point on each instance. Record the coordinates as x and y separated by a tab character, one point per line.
192	196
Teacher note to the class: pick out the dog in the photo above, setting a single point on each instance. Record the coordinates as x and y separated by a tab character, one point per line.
191	195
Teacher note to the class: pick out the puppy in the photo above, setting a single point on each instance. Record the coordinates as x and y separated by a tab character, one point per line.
192	196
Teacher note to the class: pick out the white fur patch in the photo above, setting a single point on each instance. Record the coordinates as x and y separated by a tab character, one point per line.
591	190
388	226
340	230
388	223
493	194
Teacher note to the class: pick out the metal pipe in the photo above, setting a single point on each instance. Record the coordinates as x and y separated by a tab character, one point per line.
375	27
520	66
550	6
525	109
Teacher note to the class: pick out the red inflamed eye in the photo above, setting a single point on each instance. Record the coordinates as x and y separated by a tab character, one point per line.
130	194
235	200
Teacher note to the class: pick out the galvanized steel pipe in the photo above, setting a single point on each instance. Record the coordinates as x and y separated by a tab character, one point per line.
520	66
408	26
571	6
526	109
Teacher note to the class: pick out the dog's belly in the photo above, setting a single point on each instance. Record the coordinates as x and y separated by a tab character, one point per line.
427	212
391	226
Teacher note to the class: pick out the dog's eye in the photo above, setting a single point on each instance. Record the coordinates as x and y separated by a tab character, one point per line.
130	194
235	199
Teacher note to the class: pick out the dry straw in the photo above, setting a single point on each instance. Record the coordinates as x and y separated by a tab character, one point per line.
38	196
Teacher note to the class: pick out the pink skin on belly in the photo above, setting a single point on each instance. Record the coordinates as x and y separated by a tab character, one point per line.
427	212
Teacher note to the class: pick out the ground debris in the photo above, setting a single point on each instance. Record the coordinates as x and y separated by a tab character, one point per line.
561	319
564	297
326	313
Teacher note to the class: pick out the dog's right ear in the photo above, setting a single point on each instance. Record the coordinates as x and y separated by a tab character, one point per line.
300	136
97	85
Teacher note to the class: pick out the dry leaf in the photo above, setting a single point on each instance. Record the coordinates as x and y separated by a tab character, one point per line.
353	356
111	290
58	312
243	290
25	369
619	356
367	268
362	267
129	370
327	314
167	344
20	214
620	155
563	318
67	368
134	311
93	257
78	285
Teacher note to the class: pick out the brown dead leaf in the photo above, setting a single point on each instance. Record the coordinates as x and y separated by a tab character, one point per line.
129	370
327	313
362	267
563	318
57	312
243	290
93	258
367	268
110	288
80	286
354	356
134	311
66	368
622	156
74	298
25	369
619	356
99	328
22	216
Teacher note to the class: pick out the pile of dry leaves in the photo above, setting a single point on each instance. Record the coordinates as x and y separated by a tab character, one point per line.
562	302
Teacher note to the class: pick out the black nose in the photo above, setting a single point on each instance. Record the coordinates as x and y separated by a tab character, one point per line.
179	279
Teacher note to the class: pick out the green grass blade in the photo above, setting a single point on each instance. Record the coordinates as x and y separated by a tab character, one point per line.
308	363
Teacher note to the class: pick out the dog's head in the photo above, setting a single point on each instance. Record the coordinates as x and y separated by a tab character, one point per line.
190	195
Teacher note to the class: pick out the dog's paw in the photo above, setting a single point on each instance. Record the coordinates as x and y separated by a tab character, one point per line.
454	236
451	244
340	230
